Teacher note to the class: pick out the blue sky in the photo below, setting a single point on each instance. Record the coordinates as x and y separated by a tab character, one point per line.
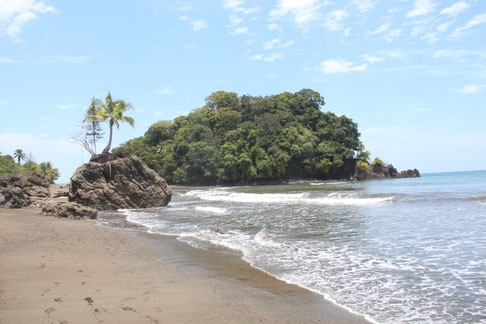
411	73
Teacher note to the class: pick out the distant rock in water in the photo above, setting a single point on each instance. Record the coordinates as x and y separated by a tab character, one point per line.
384	172
22	189
110	182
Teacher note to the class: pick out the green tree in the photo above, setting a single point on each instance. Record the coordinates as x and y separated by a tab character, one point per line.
377	164
113	112
94	132
7	164
48	171
19	155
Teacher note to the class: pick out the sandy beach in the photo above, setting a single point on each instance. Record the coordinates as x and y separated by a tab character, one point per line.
69	271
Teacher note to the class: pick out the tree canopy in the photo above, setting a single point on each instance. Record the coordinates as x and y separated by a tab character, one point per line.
244	138
8	166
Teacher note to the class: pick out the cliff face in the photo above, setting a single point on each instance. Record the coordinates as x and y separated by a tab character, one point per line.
110	182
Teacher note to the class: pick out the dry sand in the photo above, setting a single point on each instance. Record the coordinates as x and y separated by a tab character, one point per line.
70	271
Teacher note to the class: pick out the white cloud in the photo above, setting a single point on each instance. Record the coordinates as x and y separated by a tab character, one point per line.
68	106
371	58
340	65
271	44
288	44
76	59
443	27
333	19
257	57
15	14
364	5
478	19
393	34
455	9
267	58
235	20
396	54
6	60
251	10
458	54
273	27
240	30
197	24
3	102
472	88
304	11
165	90
422	7
381	29
236	5
185	8
347	31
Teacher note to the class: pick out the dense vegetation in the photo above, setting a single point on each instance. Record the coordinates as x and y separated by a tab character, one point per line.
9	165
251	139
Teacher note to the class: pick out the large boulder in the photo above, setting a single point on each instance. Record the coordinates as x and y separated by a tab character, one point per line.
22	189
110	182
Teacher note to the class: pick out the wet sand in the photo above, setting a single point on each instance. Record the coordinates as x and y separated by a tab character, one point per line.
69	271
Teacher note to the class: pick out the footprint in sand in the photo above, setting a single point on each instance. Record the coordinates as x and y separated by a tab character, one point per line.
49	310
59	300
89	300
128	309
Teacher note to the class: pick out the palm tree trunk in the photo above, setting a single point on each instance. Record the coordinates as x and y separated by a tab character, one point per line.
107	148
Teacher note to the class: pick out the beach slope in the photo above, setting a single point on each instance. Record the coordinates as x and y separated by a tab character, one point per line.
69	271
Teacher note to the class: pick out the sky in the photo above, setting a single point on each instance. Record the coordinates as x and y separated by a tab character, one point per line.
411	73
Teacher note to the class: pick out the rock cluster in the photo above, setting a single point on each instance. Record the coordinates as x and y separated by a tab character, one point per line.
110	182
22	189
69	210
385	172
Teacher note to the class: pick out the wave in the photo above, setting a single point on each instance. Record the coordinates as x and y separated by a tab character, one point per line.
327	183
291	198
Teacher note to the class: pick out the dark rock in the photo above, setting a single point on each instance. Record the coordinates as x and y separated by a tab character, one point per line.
386	172
409	174
35	185
69	210
220	230
21	189
13	197
60	194
110	182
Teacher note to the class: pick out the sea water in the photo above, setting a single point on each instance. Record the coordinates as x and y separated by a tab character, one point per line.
397	251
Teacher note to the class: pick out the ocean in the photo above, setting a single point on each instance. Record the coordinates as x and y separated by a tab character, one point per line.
397	251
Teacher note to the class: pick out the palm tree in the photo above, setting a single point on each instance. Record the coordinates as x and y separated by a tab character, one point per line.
48	171
19	155
112	111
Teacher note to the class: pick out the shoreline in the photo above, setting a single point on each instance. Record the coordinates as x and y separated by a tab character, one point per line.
56	270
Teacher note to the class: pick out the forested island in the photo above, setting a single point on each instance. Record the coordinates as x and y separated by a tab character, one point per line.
245	139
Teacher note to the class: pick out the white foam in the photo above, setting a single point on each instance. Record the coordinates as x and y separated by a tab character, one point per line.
212	210
331	199
270	240
251	197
